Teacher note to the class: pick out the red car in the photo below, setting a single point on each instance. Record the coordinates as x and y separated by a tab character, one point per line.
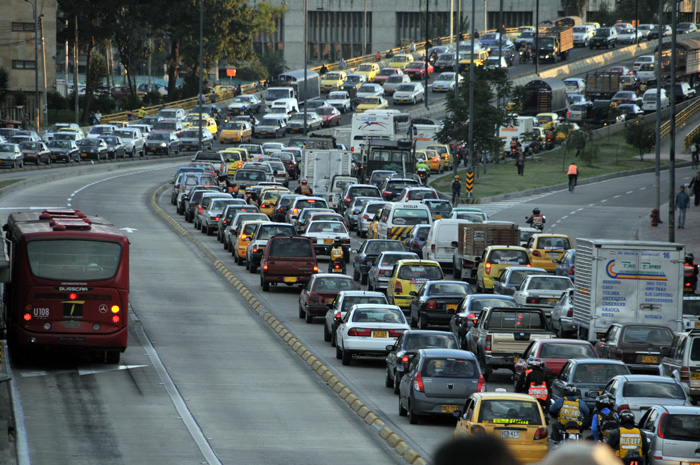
417	70
329	115
321	291
385	73
555	353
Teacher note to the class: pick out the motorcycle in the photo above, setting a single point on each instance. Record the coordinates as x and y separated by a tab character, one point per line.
524	56
572	431
423	174
337	266
539	226
632	458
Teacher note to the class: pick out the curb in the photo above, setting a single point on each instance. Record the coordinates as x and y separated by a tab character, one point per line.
363	411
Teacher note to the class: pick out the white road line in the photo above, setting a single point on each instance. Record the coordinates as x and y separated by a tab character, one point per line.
629	192
604	200
616	196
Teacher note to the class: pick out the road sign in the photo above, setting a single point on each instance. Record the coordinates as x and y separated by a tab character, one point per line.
469	182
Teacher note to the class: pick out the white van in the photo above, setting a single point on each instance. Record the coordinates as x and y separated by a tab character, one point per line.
402	121
289	104
398	218
646	72
438	245
649	100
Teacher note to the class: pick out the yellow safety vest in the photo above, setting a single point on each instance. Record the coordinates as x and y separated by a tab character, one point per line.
630	440
305	189
336	253
570	411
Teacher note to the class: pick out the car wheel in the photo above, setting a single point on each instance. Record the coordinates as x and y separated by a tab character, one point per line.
247	265
412	321
402	411
265	284
203	229
334	342
397	382
302	313
347	358
369	286
338	352
388	378
309	317
253	268
167	151
48	161
326	333
487	371
355	275
412	416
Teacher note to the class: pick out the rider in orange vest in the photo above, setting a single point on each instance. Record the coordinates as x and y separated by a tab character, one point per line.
573	175
534	381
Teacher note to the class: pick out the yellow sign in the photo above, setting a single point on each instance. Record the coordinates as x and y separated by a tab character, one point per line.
470	181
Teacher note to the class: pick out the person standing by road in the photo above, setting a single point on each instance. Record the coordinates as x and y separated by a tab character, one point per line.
573	176
520	163
682	202
456	189
694	188
342	65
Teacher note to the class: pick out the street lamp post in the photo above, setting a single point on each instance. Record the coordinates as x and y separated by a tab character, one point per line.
306	53
36	65
672	131
471	90
200	99
537	37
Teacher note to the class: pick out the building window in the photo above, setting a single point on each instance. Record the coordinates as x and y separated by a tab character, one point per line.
23	64
510	18
22	27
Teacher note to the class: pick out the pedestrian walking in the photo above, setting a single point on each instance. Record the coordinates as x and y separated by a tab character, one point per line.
25	121
573	176
520	163
412	47
694	188
682	202
98	117
342	65
456	189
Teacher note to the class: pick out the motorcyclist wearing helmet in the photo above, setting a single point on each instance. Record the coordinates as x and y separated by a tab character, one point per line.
537	219
568	408
690	272
304	188
605	420
534	381
627	441
337	254
456	189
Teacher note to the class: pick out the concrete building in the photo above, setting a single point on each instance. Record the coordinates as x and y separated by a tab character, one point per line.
349	28
17	52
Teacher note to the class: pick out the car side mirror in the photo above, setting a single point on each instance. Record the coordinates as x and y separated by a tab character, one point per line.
457	414
454	244
413	293
477	259
592	394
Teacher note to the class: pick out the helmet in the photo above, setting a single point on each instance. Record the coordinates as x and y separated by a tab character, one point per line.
627	419
337	240
604	401
536	211
303	181
535	363
689	258
457	177
570	391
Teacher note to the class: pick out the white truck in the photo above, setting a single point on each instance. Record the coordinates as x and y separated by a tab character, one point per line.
521	127
424	135
627	282
371	126
328	172
473	238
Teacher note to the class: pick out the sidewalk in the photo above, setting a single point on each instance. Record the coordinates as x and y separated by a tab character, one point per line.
690	235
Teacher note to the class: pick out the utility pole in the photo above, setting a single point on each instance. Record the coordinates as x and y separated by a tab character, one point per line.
657	163
76	84
427	57
43	53
672	133
200	98
471	91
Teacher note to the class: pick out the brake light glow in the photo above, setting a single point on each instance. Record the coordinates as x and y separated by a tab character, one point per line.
116	319
418	383
398	288
386	194
405	359
487	268
347	201
541	433
315	270
570	313
531	300
72	296
365	332
571	270
295	211
264	267
488	342
623	407
432	248
685	374
481	385
431	305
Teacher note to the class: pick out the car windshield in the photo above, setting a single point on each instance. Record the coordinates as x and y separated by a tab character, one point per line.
236	126
422	272
567	351
527	35
449	289
508	257
30	145
249	175
647	335
158	137
509	412
448	367
653	389
580	29
88	142
597	373
406	88
446	77
62	144
602	32
311	203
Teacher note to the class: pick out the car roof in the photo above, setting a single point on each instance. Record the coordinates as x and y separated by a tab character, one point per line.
448	353
680	409
413	261
562	341
578	361
652	378
360	293
503	396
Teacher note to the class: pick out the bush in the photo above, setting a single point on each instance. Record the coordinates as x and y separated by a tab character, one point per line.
130	102
152	98
253	72
56	101
105	104
20	98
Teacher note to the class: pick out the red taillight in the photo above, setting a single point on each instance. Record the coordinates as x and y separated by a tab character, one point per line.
243	236
315	270
662	425
73	296
531	300
481	386
685	374
623	407
487	268
536	253
618	354
396	332
431	305
432	248
360	332
200	209
264	267
541	433
488	342
116	319
280	210
405	359
386	194
365	217
415	244
338	315
347	201
337	266
570	313
418	382
385	272
398	288
27	316
263	206
255	250
571	270
295	211
471	317
216	218
477	429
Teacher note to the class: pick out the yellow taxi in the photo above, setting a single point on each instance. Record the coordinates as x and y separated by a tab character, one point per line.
235	131
435	161
565	130
372	228
480	57
192	122
517	419
333	80
224	89
244	235
444	152
372	103
401	61
408	276
548	120
494	260
543	250
368	69
234	157
269	198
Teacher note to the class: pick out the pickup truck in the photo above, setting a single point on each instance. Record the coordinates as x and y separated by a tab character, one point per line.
502	334
288	260
341	100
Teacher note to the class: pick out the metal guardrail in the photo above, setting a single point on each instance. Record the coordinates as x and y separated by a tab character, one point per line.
681	118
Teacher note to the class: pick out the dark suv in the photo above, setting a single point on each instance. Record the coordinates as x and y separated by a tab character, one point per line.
392	187
638	345
288	260
604	37
258	243
215	158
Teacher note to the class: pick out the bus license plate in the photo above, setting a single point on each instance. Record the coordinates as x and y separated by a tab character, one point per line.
510	434
649	359
379	334
448	408
290	279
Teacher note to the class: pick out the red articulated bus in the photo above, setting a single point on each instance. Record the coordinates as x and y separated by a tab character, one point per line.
68	283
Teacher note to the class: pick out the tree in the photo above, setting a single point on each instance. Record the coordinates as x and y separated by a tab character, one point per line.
273	63
574	7
641	136
589	151
130	33
56	101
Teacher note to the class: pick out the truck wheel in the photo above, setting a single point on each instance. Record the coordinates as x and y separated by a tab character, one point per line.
265	285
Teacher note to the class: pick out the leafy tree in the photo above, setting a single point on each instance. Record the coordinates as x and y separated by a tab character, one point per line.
574	7
96	73
255	71
641	136
20	98
589	152
273	63
129	32
56	101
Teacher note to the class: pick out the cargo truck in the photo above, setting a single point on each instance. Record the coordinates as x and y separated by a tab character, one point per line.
326	171
546	95
302	87
602	85
473	239
627	282
555	43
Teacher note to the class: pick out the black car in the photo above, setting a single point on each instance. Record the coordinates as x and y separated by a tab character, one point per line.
368	253
436	301
406	346
469	310
215	158
604	37
116	146
64	150
92	148
637	345
165	143
392	187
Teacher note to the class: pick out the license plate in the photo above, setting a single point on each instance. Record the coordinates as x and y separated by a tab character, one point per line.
328	241
290	279
510	434
263	132
551	301
379	333
330	300
448	408
187	147
437	217
451	307
83	154
649	359
695	375
153	149
697	324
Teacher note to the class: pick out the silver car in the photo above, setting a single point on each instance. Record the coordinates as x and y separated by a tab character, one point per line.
639	392
352	213
379	274
542	291
562	315
366	215
674	434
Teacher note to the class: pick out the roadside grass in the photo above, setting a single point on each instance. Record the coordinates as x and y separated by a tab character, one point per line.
542	170
9	182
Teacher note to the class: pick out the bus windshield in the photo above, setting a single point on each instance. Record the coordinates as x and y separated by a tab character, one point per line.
70	260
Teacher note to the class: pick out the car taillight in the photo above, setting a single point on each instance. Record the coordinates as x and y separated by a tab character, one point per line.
263	205
418	383
488	342
360	332
431	305
471	317
541	433
531	300
623	407
200	209
385	272
386	194
432	248
662	426
398	288
336	266
365	217
405	359
415	244
347	201
571	270
481	385
315	270
618	354
216	218
536	253
255	250
396	332
338	315
487	268
685	374
295	211
570	313
477	429
280	210
264	267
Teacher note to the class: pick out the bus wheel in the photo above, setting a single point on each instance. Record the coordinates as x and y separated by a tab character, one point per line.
112	356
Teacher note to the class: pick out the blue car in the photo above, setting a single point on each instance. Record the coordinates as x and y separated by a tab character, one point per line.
416	238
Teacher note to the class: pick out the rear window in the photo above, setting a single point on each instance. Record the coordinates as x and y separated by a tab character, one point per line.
422	234
399	185
677	427
450	368
599	373
644	335
250	176
391	259
653	389
567	351
548	283
691	307
385	246
695	350
420	195
439	207
360	299
291	247
410	216
429	341
511	412
553	243
269	231
516	320
423	272
449	289
508	257
333	285
363	192
311	203
327	227
383	315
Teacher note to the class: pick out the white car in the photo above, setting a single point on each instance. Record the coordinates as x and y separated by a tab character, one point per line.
11	155
340	100
628	36
272	147
51	132
495	62
271	126
100	130
649	100
190	140
370	90
642	60
582	34
542	291
279	172
575	85
394	82
369	330
324	233
411	92
133	139
296	122
178	114
247	104
445	82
